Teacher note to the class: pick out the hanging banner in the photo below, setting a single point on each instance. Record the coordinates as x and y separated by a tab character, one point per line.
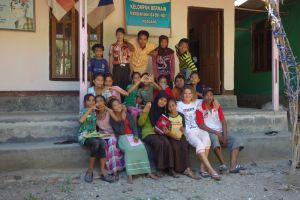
150	15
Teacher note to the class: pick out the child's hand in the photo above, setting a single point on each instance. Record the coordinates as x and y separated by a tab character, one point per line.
166	131
124	108
223	141
111	89
136	139
151	79
147	107
144	79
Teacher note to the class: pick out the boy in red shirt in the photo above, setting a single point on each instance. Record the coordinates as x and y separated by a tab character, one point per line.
213	121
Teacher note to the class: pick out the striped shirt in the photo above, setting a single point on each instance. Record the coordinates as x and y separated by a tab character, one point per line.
185	60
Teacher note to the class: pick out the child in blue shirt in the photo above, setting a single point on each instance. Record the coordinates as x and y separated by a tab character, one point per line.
195	82
98	65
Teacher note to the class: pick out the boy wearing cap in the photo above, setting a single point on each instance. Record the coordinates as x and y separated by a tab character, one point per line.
213	121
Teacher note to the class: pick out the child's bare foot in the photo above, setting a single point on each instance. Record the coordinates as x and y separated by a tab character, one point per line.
130	181
160	174
150	175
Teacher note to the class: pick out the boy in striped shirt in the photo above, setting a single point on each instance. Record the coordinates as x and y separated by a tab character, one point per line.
186	63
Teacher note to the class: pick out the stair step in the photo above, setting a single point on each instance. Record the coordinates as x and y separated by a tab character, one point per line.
43	126
256	121
45	155
38	126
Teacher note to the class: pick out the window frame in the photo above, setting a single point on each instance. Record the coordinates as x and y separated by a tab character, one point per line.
267	62
74	43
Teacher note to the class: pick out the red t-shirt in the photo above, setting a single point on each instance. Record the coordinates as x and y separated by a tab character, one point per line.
127	130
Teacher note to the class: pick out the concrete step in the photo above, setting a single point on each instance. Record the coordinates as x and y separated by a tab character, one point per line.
246	121
43	155
227	101
37	126
43	126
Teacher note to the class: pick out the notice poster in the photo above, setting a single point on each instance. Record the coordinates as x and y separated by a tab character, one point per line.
17	15
149	15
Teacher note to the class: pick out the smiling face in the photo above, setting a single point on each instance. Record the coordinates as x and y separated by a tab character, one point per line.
100	102
187	96
172	106
90	102
116	106
136	77
99	82
162	102
98	52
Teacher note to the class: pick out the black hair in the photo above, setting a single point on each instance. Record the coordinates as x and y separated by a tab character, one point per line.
97	75
87	97
143	32
111	101
134	73
179	76
161	77
109	75
120	30
206	90
183	40
144	74
96	46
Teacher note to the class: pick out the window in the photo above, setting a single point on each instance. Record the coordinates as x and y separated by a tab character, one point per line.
64	46
262	46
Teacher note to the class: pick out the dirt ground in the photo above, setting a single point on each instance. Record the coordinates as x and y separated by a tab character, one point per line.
261	180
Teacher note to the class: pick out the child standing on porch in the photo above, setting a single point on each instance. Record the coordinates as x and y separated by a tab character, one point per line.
88	137
98	65
186	63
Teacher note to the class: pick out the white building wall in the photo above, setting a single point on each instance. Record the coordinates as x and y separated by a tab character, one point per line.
24	56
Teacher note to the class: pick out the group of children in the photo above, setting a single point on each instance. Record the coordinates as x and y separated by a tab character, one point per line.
147	126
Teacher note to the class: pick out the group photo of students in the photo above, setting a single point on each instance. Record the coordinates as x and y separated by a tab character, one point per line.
141	117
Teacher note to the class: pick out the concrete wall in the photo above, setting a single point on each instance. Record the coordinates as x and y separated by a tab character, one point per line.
24	57
179	9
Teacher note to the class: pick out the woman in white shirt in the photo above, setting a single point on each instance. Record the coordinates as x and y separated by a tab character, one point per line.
194	135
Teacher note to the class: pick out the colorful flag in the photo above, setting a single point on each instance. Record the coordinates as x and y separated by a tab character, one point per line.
60	7
97	11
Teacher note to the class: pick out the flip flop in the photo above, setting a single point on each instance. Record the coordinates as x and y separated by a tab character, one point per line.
237	169
204	174
107	178
216	177
271	133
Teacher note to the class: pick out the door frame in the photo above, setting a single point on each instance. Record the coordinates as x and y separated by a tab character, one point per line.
221	11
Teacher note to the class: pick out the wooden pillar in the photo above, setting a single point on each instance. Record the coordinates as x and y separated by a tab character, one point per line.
275	74
82	44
